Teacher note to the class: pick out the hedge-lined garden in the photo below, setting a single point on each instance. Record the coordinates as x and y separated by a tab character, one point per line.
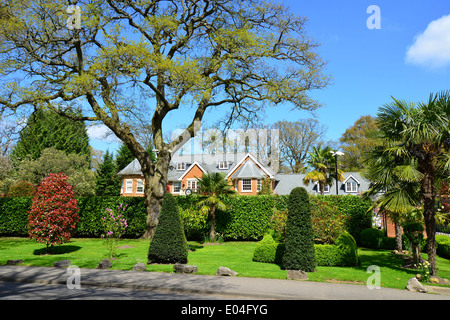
247	218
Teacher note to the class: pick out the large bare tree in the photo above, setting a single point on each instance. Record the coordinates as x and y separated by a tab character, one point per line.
126	60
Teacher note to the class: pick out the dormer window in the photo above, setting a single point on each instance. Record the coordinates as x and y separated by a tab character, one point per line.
223	165
181	166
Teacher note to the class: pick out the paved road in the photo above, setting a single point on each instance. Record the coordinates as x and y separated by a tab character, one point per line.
189	284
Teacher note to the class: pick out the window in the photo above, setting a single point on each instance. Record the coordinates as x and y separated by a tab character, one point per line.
192	184
351	186
258	185
246	185
236	184
176	187
181	166
140	186
223	165
129	186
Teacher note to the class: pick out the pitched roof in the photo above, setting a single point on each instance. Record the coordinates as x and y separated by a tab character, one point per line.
248	170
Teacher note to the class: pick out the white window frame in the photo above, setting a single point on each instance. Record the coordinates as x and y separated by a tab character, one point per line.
326	188
190	183
181	166
223	165
236	185
128	189
246	185
178	183
350	189
139	184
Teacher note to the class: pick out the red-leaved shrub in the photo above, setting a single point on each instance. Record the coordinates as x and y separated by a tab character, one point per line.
54	212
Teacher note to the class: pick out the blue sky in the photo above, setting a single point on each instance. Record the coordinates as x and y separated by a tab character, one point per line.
368	66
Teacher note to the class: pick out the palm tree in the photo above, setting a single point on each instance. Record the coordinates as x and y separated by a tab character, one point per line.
423	135
393	180
321	166
213	185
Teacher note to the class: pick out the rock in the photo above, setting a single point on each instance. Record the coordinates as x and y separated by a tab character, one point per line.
439	280
415	285
104	264
297	275
139	267
61	264
224	271
13	262
184	268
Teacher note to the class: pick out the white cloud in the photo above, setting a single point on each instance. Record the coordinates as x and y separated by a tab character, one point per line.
102	133
432	47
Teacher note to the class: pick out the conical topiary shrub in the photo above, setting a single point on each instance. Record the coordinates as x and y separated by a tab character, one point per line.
169	243
299	244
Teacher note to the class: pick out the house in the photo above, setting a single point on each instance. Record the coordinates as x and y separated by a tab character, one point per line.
244	172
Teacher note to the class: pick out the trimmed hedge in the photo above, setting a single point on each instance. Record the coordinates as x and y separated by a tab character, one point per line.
443	246
372	238
246	217
342	254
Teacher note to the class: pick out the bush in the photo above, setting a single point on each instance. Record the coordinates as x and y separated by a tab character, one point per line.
327	220
14	216
342	254
299	244
169	243
22	189
54	212
371	238
268	250
195	223
443	246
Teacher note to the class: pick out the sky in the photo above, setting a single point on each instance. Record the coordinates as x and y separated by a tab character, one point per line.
375	50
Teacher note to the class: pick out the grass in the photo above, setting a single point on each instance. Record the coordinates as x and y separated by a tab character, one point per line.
87	253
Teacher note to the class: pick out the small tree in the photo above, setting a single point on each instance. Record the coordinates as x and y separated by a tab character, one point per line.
213	185
54	212
169	243
114	225
299	254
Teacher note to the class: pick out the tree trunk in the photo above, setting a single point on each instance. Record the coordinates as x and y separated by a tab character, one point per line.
429	199
212	231
155	188
398	236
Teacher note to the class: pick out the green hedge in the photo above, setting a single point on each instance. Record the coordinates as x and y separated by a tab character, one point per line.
342	254
443	246
246	217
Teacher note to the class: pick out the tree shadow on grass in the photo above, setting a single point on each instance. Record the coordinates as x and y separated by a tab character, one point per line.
56	250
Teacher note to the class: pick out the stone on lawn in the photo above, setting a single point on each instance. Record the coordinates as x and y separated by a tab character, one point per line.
415	285
61	264
104	264
224	271
139	267
13	262
184	268
297	275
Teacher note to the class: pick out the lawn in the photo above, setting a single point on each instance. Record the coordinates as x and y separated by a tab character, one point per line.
87	253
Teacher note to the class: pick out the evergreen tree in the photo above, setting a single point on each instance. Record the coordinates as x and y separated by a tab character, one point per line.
299	253
46	129
169	243
123	157
107	182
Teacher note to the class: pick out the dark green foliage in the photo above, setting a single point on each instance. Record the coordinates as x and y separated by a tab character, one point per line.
372	238
107	182
14	216
123	157
169	243
348	250
443	246
47	129
299	254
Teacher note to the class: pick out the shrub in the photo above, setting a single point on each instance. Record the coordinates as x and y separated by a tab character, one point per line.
268	250
114	225
348	250
327	220
22	189
54	212
299	244
443	246
195	223
371	238
14	216
414	233
169	243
